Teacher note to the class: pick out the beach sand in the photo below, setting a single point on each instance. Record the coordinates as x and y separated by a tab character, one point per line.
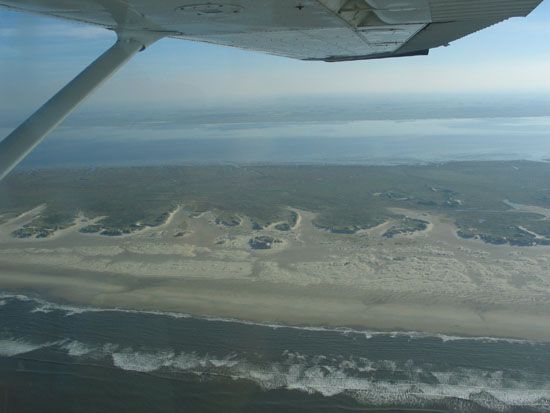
430	281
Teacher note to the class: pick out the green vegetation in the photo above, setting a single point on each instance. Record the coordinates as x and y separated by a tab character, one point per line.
256	226
283	226
345	198
406	226
228	220
45	225
263	242
289	223
515	228
91	229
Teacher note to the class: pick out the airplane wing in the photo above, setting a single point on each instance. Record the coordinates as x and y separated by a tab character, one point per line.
326	30
330	30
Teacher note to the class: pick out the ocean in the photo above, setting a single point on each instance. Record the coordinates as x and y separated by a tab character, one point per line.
372	142
345	130
59	358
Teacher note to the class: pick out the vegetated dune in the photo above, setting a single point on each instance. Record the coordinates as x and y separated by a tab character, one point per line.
427	280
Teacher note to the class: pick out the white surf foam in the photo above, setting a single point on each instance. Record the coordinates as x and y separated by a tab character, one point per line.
10	347
43	306
19	297
332	376
359	377
75	348
141	361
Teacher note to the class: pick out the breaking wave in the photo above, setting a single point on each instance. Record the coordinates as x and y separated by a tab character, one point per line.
368	380
378	382
356	377
10	347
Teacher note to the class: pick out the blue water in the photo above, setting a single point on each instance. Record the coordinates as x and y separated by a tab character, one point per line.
325	129
85	359
364	142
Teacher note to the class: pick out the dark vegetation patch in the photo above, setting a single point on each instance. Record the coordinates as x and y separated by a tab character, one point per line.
228	220
283	226
262	242
45	225
514	228
406	226
345	198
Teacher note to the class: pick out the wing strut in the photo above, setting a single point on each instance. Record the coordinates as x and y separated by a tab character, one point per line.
30	133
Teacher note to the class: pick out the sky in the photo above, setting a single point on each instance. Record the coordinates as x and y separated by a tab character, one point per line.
39	55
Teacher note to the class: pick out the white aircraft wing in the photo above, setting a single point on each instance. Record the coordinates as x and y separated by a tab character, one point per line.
327	30
330	30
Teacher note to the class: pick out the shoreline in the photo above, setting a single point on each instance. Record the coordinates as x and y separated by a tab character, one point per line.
283	305
71	309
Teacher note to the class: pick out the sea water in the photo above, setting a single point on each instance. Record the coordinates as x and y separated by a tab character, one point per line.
379	142
64	358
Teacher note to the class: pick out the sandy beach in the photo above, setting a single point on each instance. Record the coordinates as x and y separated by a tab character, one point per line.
429	281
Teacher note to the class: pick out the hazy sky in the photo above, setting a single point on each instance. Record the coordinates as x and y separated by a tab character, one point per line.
38	55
